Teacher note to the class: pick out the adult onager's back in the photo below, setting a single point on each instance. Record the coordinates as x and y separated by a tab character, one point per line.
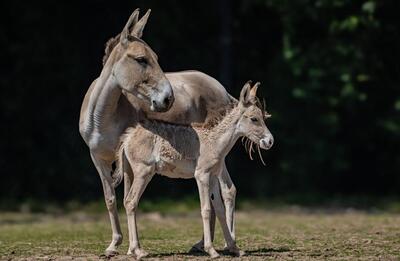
187	152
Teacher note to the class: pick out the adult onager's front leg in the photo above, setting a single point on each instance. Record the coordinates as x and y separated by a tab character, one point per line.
135	184
104	169
203	184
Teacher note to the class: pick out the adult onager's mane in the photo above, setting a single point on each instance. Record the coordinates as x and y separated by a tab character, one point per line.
113	41
109	47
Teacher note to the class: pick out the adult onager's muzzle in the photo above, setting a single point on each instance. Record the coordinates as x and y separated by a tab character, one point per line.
267	142
162	101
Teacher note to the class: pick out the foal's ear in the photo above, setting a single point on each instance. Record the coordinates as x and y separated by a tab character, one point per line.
244	93
248	95
133	19
253	93
139	26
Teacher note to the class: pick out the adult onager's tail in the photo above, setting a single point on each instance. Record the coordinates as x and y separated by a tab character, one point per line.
121	159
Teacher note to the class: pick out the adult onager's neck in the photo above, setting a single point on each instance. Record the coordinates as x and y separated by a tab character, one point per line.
103	99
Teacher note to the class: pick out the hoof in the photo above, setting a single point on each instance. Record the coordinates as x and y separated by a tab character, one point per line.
234	251
197	249
137	253
239	253
212	253
111	253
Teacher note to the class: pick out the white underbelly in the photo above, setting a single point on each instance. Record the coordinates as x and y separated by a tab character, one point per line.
183	169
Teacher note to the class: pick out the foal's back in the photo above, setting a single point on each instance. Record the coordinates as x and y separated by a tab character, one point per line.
172	149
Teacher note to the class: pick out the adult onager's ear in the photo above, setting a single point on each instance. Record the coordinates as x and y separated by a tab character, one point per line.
126	32
139	26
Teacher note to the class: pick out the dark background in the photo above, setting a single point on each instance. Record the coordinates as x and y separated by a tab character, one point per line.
329	71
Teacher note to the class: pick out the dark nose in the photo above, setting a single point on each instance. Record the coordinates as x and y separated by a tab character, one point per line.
271	141
164	104
168	101
164	98
159	106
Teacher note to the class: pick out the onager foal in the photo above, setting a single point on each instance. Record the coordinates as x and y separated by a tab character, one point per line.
187	152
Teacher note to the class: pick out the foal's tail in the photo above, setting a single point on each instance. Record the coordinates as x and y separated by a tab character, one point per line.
118	174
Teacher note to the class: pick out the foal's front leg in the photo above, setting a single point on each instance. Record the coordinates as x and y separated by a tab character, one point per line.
203	184
218	205
199	246
227	190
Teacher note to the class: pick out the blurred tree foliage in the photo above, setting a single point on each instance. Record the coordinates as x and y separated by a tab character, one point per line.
329	68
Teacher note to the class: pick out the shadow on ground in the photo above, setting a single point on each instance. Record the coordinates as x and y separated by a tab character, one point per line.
255	252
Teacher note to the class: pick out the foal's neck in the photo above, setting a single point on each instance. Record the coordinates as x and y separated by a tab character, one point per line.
224	135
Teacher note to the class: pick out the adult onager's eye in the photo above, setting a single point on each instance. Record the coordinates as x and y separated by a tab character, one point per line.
254	119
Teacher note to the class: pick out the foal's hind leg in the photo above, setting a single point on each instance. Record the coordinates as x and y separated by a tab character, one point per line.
142	174
228	191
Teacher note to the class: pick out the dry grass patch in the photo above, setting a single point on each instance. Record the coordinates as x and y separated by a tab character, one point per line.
277	235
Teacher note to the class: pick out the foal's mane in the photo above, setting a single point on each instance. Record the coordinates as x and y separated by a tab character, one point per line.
216	116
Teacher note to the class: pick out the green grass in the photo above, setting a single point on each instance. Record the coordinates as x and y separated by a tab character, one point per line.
294	234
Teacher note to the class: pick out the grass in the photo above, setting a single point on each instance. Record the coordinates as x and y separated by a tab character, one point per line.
294	234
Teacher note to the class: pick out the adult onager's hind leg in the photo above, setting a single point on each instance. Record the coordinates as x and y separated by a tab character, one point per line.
135	182
104	169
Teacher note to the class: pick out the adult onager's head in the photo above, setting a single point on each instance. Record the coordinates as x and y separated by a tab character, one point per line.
251	123
135	66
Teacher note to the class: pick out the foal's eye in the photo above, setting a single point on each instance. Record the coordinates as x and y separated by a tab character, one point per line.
141	60
254	119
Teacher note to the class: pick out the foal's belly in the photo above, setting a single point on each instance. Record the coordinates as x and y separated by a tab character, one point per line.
183	169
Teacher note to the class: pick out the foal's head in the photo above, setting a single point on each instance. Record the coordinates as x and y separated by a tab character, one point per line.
136	68
252	120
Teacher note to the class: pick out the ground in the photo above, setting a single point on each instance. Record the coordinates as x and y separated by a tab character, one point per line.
264	235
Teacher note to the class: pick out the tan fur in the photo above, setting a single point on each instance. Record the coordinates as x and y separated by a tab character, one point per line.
189	152
121	96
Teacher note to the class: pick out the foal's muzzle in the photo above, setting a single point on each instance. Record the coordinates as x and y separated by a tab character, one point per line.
267	142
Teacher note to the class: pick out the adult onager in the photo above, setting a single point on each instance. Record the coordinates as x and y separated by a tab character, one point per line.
132	85
186	152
